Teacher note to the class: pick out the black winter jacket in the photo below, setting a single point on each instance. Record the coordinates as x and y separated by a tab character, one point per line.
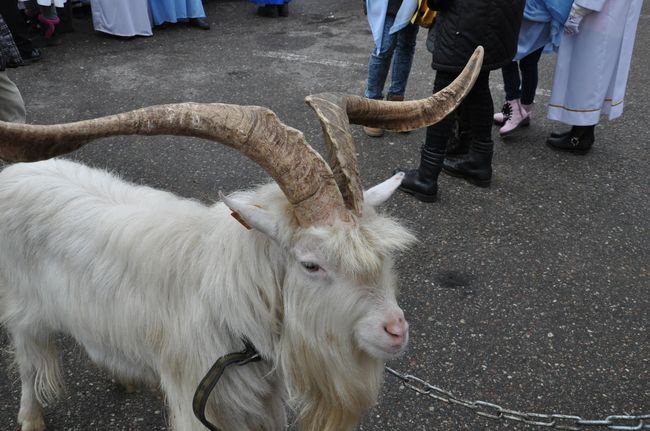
462	25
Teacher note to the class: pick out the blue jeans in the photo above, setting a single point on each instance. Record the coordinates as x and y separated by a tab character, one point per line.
397	48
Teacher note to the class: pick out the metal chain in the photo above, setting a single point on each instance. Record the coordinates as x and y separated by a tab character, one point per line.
495	411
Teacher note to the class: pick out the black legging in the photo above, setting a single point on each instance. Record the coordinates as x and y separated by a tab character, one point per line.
477	108
523	87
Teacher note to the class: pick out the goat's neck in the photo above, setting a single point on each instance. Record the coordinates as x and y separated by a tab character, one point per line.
244	289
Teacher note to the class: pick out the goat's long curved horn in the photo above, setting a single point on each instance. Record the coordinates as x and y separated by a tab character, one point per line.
336	111
410	115
330	108
302	174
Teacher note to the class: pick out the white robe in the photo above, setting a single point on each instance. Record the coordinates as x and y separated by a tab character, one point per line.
56	3
122	17
593	65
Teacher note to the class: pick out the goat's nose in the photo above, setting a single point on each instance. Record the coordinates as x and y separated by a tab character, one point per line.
397	328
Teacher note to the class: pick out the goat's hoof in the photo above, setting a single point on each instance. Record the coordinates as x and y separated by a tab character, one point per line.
31	420
126	386
131	388
35	424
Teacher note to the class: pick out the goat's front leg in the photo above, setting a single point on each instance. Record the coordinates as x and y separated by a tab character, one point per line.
37	364
179	404
182	417
30	415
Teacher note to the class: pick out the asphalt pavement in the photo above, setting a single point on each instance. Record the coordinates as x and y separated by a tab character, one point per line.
533	295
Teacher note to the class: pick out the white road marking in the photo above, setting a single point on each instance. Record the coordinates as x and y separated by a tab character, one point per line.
289	56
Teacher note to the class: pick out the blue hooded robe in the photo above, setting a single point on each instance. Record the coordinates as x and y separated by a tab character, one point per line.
277	2
542	26
377	15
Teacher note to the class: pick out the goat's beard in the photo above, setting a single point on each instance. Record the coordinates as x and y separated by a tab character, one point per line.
333	383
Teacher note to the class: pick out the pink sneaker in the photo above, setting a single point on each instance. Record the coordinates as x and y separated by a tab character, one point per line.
499	118
518	118
48	25
529	109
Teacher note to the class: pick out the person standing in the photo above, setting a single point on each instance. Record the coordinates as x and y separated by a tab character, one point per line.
272	8
173	11
541	30
460	26
592	68
12	106
395	39
124	18
46	15
19	30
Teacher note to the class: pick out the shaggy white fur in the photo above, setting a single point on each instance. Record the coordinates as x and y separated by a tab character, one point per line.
156	288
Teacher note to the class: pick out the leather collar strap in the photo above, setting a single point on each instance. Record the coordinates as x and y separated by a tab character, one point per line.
207	384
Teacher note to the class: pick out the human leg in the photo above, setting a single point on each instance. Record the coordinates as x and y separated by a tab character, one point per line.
476	166
529	77
378	67
459	142
16	23
268	11
48	19
195	15
479	107
405	41
422	183
516	113
45	13
380	61
511	80
283	9
519	112
512	87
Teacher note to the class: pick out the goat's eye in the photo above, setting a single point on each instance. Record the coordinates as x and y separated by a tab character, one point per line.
310	266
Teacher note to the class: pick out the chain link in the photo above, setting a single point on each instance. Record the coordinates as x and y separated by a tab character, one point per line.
495	411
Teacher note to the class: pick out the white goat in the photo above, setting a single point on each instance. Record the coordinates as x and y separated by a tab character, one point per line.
156	288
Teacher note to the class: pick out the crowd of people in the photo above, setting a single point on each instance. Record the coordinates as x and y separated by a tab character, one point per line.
48	19
593	39
27	26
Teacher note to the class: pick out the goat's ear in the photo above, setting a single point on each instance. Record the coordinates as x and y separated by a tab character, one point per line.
380	193
251	216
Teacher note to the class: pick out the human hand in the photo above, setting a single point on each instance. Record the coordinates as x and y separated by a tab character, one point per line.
572	24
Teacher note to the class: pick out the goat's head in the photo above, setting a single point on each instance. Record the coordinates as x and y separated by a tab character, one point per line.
339	249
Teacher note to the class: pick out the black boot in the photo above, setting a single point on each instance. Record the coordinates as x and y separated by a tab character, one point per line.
269	11
422	183
476	166
283	10
578	141
560	134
